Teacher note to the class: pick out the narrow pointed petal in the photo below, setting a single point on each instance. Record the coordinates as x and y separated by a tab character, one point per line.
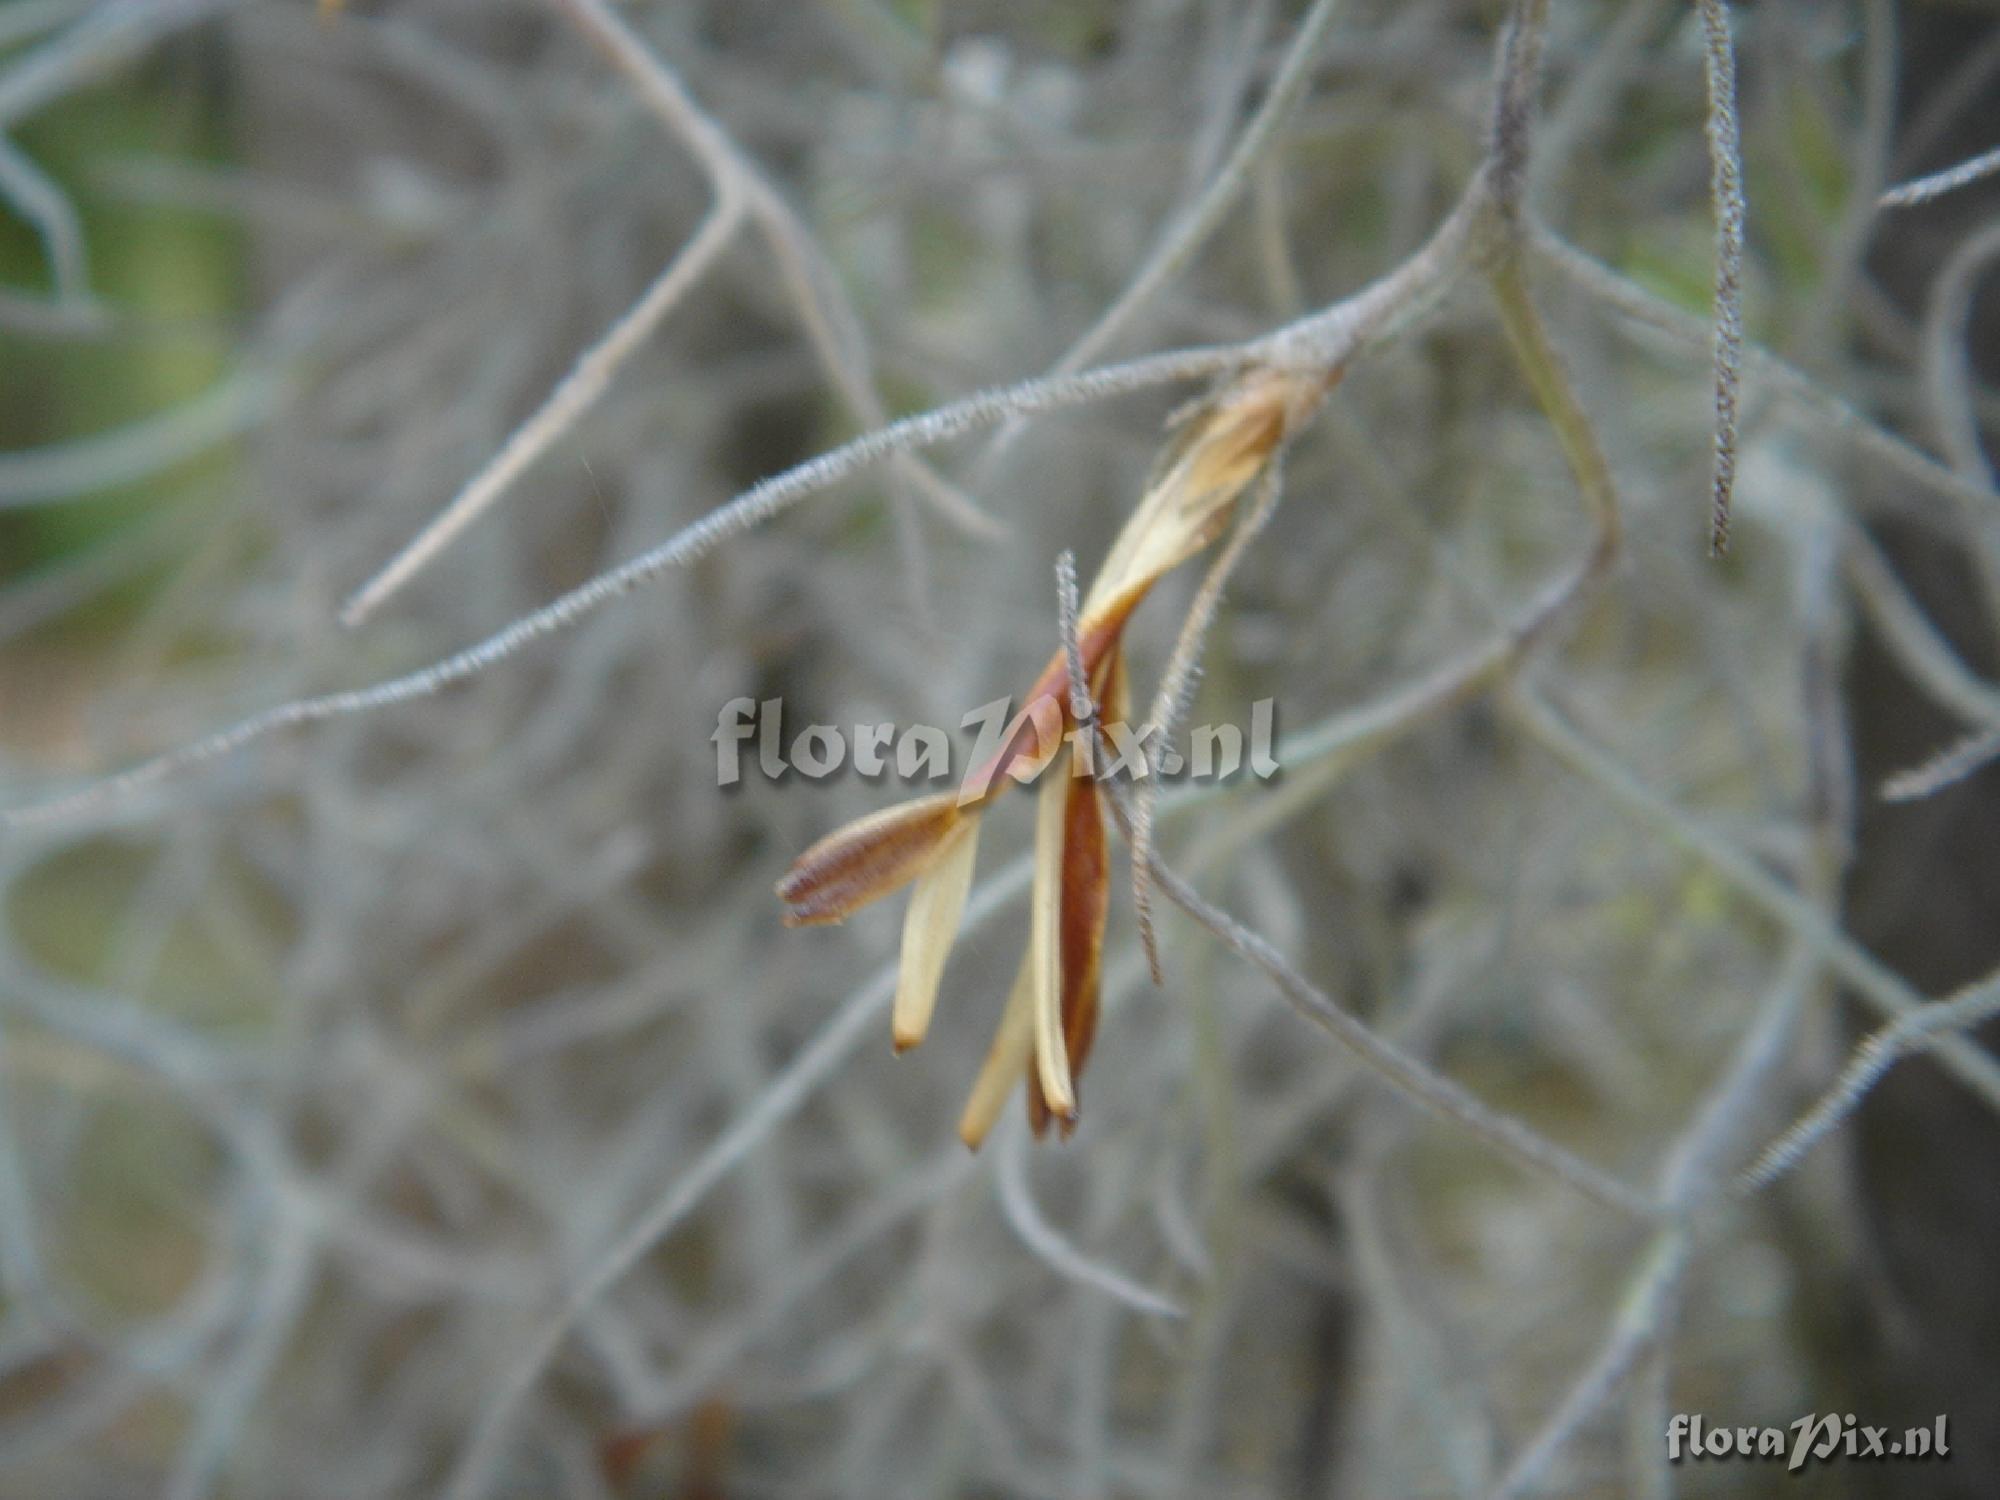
937	901
1045	942
866	860
1086	902
1006	1059
1223	446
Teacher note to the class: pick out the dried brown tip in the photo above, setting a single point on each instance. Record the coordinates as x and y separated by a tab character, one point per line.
866	860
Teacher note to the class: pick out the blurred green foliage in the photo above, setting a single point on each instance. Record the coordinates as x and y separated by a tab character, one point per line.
171	277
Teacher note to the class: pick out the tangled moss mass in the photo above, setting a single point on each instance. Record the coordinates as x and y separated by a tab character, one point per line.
420	420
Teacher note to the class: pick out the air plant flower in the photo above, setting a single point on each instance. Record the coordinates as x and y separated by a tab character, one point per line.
1045	1032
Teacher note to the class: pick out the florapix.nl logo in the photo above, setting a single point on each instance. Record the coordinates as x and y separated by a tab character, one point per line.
752	737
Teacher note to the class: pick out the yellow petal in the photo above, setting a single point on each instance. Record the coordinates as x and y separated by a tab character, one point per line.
937	901
1045	940
1006	1059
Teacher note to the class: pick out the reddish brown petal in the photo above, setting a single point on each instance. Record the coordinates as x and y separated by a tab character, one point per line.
866	860
1086	904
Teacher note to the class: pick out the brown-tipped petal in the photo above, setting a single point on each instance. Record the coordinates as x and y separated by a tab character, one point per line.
937	901
1252	418
1045	941
1006	1060
1086	902
867	859
1239	433
1224	445
1182	522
